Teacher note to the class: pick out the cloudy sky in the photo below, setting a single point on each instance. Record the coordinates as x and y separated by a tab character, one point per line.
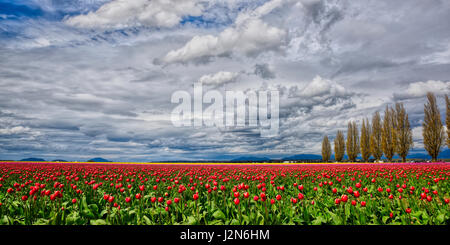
88	78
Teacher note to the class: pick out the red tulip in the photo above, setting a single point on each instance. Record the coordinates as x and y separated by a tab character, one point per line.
236	201
337	200
263	196
350	190
110	199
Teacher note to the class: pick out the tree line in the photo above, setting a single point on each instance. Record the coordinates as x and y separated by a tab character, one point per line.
391	134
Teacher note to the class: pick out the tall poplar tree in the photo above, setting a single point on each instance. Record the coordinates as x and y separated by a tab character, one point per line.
365	140
352	141
433	130
375	137
388	135
339	146
326	149
403	132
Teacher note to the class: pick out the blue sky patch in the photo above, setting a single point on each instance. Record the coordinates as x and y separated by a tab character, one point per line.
7	8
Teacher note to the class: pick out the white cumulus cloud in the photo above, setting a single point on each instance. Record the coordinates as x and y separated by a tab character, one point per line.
249	35
420	89
323	87
219	78
128	13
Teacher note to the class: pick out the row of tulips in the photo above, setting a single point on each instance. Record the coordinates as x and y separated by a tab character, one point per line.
156	194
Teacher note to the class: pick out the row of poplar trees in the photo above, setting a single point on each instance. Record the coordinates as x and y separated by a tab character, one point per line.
391	135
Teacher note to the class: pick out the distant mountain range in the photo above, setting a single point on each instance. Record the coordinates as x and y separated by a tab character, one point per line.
98	159
33	159
250	159
303	157
445	154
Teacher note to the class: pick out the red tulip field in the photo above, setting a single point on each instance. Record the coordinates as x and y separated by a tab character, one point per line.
148	194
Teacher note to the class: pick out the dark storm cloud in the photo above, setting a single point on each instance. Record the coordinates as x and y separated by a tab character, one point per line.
264	71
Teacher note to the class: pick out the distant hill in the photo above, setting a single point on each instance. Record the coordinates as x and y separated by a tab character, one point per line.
59	160
445	154
33	159
303	157
250	159
98	159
